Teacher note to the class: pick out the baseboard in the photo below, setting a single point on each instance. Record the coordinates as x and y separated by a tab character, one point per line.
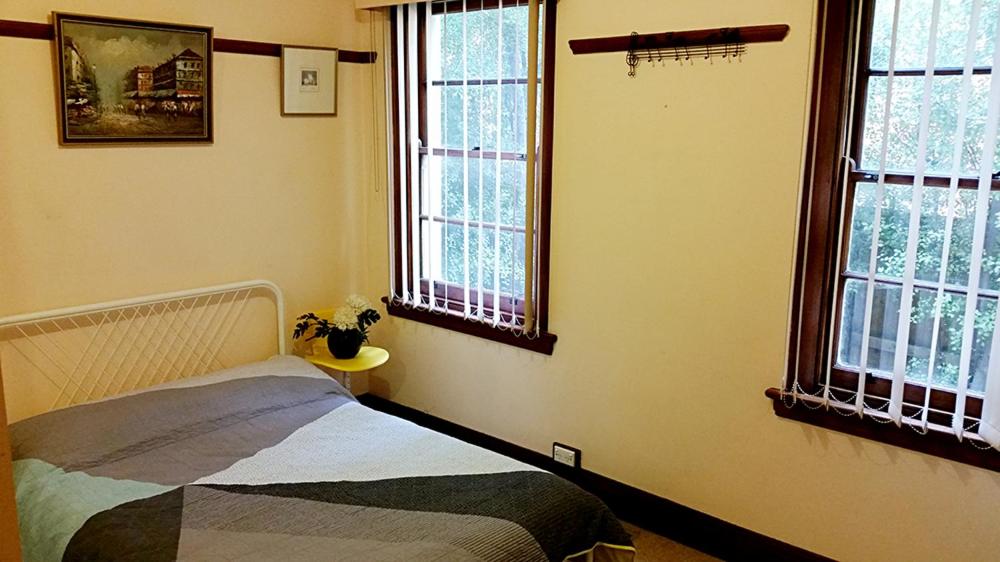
685	525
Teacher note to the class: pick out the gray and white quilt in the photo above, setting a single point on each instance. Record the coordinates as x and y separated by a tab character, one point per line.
275	461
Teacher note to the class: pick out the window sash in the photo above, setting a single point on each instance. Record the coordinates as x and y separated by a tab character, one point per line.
937	71
502	227
448	295
455	294
813	353
930	180
472	153
479	82
844	378
878	382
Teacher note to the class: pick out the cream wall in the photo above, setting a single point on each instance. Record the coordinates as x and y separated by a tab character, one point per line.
675	198
273	197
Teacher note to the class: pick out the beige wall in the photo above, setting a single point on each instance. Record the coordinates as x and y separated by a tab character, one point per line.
273	197
675	198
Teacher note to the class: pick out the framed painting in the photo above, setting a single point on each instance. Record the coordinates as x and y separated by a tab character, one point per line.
308	80
127	81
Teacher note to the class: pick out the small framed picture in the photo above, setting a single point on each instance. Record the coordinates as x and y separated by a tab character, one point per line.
308	80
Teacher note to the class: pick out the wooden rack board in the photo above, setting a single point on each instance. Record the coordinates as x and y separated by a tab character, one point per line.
32	30
680	39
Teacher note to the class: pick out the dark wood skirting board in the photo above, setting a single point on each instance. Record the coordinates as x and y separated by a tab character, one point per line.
683	524
32	30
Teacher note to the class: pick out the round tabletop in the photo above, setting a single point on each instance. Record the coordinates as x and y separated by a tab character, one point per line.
368	358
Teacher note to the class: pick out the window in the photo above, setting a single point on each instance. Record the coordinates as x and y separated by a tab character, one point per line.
461	251
898	272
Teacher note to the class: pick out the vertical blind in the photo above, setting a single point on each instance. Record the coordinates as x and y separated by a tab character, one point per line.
921	273
467	83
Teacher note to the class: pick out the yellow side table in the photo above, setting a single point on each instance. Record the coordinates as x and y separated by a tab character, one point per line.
367	359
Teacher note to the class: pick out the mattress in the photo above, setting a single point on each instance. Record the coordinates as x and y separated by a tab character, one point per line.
276	461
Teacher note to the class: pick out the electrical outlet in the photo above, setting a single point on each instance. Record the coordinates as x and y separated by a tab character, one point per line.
565	454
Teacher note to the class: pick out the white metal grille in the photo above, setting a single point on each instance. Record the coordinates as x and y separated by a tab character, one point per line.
62	357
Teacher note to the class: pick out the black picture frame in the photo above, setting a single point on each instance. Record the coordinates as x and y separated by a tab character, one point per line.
132	81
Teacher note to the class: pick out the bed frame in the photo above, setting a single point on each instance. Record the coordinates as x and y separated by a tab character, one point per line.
57	358
10	541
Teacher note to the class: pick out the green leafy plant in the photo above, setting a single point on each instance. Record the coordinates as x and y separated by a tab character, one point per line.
357	314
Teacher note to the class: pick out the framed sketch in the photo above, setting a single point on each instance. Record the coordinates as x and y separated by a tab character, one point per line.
133	81
308	80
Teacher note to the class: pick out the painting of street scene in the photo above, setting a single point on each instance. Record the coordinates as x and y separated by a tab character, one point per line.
128	81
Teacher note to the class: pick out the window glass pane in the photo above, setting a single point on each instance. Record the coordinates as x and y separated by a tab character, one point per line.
982	339
862	217
482	106
911	37
881	34
986	32
950	339
914	30
454	259
509	260
904	123
933	217
991	257
452	197
933	214
481	52
882	346
949	344
947	362
953	27
892	233
885	315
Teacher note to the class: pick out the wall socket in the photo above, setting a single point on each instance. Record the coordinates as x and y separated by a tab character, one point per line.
566	455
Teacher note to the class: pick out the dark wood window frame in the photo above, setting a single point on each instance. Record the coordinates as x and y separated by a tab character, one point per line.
830	179
448	297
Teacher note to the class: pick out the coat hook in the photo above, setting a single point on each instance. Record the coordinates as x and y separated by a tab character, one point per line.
724	42
632	59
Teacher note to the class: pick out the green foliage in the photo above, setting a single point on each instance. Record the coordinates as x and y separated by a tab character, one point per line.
366	319
486	44
323	328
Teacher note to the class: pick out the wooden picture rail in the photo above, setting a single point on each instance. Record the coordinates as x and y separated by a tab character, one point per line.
680	39
31	30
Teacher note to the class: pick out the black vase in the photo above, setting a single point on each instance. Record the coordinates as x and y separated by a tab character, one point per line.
344	344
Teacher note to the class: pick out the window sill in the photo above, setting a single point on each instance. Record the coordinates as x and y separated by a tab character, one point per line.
544	343
933	443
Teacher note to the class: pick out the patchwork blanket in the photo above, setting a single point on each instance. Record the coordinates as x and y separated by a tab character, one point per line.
275	461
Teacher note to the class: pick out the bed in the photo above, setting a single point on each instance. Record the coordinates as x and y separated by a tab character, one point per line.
273	460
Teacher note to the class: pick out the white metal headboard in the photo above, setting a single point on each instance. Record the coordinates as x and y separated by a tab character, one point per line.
89	352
